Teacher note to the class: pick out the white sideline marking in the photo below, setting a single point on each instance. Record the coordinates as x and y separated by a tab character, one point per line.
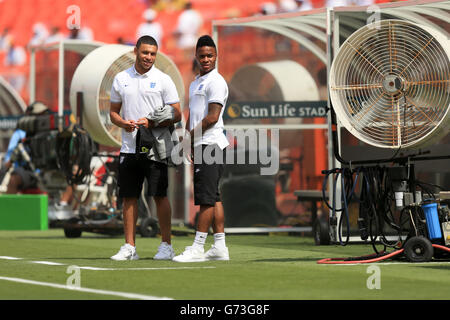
89	290
48	263
161	268
414	263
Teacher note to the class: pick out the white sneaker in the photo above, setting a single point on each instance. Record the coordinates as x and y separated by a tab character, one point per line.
126	252
217	253
191	254
165	252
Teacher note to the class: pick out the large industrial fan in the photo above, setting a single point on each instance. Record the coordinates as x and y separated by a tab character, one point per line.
389	84
389	87
93	79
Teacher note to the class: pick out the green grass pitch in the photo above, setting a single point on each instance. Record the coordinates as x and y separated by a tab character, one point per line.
262	267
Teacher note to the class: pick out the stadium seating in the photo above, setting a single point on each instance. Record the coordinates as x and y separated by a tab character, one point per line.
112	19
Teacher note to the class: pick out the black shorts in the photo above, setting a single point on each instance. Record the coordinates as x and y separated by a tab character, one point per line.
206	180
133	169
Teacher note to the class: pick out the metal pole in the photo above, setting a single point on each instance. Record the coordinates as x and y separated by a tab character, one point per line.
60	85
32	77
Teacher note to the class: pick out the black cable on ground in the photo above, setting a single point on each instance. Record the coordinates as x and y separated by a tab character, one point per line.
375	212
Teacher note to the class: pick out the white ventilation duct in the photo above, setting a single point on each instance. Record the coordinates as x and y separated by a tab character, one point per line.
285	80
11	103
94	76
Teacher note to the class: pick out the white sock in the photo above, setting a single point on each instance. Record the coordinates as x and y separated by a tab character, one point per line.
200	239
219	240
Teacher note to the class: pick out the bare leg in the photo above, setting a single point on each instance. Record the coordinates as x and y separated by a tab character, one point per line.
13	185
67	195
205	218
218	223
164	212
130	214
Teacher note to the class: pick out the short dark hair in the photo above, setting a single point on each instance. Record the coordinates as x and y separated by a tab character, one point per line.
146	40
205	41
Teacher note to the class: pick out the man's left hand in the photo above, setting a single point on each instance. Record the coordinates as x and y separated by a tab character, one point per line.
146	122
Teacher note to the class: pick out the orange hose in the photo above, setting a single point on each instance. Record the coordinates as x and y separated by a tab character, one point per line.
441	247
342	261
390	255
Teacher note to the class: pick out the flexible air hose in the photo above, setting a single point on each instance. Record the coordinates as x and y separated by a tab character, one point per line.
371	258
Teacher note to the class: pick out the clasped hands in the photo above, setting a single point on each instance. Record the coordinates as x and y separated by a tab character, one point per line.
152	120
131	125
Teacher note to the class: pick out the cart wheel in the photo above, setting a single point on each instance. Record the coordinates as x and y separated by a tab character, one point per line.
72	233
148	227
418	249
321	232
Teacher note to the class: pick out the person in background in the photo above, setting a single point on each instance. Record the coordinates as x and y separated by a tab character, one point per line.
267	8
337	3
83	33
24	179
15	59
287	6
55	35
150	27
16	55
188	27
40	33
304	5
5	39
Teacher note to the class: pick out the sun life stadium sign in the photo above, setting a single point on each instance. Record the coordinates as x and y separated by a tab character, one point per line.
276	109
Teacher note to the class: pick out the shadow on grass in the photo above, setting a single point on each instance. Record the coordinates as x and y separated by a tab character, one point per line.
105	258
286	260
90	237
75	258
446	268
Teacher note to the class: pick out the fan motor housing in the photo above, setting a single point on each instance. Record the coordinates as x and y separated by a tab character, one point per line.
393	84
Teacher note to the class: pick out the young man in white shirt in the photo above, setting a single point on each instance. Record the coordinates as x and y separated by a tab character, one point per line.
136	94
208	95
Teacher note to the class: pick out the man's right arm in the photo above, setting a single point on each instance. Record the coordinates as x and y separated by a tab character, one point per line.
114	114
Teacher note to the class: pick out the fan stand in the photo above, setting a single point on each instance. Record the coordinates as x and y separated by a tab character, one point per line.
404	175
401	160
403	171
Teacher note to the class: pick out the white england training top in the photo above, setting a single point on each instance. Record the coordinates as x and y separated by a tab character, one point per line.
140	96
209	88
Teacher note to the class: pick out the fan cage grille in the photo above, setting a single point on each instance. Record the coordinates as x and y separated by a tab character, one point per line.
390	84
